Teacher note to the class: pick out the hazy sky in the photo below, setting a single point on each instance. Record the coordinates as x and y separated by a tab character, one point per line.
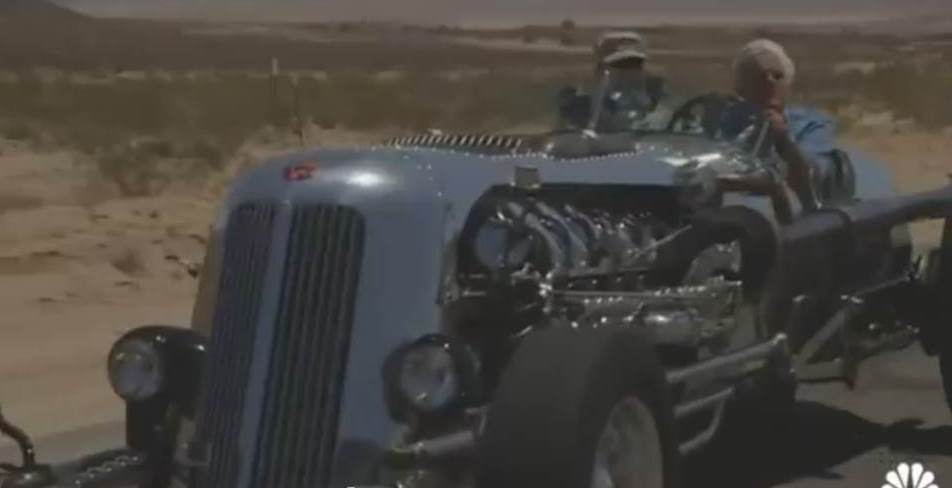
515	10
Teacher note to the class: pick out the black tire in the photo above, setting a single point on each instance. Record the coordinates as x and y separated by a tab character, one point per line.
554	400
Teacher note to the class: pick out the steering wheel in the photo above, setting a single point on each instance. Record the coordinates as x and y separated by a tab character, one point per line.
703	114
720	116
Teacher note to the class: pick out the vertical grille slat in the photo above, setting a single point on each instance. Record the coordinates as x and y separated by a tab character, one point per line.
339	339
284	378
316	286
309	433
236	353
317	283
295	304
244	263
229	343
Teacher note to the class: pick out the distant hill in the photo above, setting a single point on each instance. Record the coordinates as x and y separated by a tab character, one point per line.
35	8
517	12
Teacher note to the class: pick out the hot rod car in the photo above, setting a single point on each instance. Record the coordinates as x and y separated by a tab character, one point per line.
570	309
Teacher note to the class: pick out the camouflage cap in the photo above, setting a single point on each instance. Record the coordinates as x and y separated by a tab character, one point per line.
618	46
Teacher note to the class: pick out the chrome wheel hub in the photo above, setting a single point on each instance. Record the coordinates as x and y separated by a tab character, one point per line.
628	453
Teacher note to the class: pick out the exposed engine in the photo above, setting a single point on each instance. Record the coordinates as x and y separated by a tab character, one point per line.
528	261
561	240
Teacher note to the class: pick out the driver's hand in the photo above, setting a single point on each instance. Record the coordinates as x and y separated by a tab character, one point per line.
779	127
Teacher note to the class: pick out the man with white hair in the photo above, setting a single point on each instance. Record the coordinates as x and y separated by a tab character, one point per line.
763	77
764	73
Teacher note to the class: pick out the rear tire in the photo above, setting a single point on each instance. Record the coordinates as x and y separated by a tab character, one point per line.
576	407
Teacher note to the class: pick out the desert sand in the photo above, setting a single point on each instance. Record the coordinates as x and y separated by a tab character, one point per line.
77	268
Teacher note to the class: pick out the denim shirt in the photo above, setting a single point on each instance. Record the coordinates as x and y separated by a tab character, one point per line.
813	130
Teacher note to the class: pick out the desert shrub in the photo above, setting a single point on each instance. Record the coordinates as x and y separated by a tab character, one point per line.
133	166
420	101
16	201
148	165
208	151
909	89
913	90
146	45
129	262
135	129
17	131
568	38
202	120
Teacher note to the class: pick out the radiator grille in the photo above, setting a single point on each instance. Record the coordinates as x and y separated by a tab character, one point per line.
244	264
299	424
298	427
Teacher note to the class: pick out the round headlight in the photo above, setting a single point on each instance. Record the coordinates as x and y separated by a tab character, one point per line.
136	370
428	377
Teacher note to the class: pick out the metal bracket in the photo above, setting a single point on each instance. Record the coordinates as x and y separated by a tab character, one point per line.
759	352
766	351
796	318
707	435
686	409
23	442
526	178
436	448
598	103
846	367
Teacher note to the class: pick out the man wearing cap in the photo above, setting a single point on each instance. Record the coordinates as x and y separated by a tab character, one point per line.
763	77
625	93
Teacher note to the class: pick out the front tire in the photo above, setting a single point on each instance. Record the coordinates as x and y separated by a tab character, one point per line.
580	408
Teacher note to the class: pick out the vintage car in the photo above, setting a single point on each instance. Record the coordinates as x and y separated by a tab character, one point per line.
563	310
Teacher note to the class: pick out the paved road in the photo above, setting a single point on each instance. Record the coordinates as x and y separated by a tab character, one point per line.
838	438
841	438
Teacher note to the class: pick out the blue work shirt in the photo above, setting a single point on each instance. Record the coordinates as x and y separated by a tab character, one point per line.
813	130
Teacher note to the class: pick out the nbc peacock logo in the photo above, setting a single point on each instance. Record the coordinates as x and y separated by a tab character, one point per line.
910	476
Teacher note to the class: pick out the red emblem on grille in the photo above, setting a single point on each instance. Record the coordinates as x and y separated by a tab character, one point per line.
300	171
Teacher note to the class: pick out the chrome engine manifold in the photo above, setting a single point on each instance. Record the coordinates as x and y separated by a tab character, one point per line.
563	239
685	315
589	267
